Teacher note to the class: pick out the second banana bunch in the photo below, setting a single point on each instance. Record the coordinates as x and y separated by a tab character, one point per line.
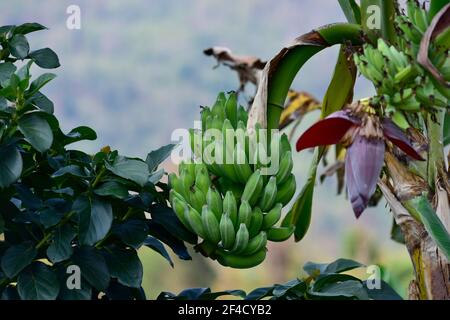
233	206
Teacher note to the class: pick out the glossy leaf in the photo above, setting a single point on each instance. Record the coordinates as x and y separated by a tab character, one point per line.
93	267
45	58
11	165
95	219
38	282
125	266
131	169
156	157
37	131
157	246
17	257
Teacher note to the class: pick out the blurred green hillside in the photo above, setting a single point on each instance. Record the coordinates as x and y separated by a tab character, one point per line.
135	72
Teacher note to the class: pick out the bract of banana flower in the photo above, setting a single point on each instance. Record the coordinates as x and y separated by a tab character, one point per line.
365	136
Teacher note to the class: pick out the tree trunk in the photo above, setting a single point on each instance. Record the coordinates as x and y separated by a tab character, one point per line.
431	268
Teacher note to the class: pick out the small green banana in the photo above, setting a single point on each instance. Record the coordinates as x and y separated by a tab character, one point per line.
180	207
202	180
241	240
256	244
253	188
176	184
286	165
197	199
210	225
231	109
272	217
241	167
286	191
245	213
269	194
214	201
256	222
242	115
280	234
241	262
230	206
195	221
227	232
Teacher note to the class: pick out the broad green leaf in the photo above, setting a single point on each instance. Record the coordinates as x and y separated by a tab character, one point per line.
19	47
79	134
84	293
125	266
11	165
112	189
215	295
177	246
260	293
344	289
42	102
45	58
435	7
7	69
385	292
50	217
351	10
156	157
300	214
28	28
93	267
71	169
60	248
37	131
132	232
338	266
38	282
131	169
41	81
17	257
423	209
95	219
165	217
340	89
157	246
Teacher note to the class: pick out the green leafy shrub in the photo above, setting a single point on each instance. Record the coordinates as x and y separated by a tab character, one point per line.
61	207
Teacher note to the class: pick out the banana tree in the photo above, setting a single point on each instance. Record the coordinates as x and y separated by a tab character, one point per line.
394	140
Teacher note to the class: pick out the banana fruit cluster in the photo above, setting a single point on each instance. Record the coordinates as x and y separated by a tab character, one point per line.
233	206
402	85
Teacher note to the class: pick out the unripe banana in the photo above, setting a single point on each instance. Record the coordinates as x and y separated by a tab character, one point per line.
217	123
241	240
202	180
256	222
195	221
253	188
218	109
280	234
272	217
227	232
256	244
228	166
187	180
241	262
286	165
214	201
204	114
177	184
286	191
242	168
230	206
245	214
285	145
210	225
231	109
197	199
180	207
269	194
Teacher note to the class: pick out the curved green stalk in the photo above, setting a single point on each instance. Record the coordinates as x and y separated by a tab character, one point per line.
285	66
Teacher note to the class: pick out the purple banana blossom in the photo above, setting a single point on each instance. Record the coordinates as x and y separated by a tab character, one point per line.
365	137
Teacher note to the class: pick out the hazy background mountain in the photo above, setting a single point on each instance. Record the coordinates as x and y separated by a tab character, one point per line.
135	72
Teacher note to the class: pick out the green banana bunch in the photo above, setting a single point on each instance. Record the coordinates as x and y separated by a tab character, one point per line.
232	204
403	85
